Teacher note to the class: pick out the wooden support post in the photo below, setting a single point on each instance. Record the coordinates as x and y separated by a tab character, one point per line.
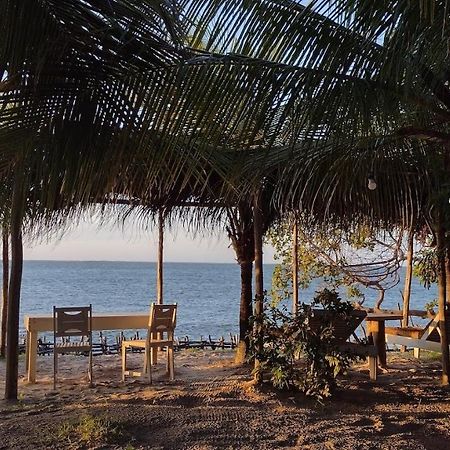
408	279
295	268
5	269
12	328
376	328
160	269
447	273
441	251
159	278
259	280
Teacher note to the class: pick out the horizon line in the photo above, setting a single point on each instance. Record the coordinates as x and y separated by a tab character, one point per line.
131	261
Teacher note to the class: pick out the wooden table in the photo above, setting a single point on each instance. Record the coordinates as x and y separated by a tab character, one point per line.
102	321
376	329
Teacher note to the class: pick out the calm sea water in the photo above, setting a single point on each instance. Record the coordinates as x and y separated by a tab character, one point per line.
207	294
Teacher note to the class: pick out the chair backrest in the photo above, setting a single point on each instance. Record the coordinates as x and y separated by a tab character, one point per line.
343	328
72	321
163	319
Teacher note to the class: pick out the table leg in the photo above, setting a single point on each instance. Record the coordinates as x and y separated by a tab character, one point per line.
32	356
376	329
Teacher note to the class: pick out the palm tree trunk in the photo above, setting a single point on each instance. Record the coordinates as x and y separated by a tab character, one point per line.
12	335
441	255
5	259
259	280
447	272
240	232
245	309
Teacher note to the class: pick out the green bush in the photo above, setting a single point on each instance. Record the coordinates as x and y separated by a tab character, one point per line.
285	338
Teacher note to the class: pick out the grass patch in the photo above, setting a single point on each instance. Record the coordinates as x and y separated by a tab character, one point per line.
430	356
88	431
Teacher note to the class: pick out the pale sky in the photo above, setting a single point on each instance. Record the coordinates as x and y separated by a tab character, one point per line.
87	242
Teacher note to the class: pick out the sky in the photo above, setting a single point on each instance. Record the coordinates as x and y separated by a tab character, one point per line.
87	242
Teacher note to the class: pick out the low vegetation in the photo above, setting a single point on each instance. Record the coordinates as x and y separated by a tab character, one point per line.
300	354
88	431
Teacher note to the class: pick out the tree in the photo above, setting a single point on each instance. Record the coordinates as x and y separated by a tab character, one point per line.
351	258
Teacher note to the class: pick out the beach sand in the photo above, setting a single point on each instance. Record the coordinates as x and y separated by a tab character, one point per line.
213	405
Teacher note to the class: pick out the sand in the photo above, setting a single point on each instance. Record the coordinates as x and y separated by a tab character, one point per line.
213	405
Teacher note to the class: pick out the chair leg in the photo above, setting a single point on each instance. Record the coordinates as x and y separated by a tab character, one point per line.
416	352
170	360
150	363
147	359
124	361
155	350
373	367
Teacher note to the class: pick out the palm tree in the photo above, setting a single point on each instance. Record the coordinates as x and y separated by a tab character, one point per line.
372	96
98	91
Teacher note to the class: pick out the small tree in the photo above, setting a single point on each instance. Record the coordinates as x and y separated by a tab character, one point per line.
285	337
353	259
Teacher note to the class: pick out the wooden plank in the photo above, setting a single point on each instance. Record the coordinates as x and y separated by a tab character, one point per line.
295	268
413	332
118	321
414	343
113	321
259	284
32	353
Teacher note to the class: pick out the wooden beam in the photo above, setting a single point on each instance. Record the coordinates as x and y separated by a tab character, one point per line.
259	279
447	273
295	268
408	279
5	270
440	248
160	264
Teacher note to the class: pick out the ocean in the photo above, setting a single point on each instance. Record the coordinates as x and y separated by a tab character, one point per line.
207	294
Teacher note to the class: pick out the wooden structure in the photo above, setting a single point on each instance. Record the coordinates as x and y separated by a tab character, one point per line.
427	338
36	324
295	267
377	330
160	263
162	321
67	323
343	329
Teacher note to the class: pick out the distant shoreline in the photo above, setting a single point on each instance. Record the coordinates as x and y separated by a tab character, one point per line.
132	262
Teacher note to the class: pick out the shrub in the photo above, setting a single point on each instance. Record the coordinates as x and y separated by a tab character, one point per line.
285	338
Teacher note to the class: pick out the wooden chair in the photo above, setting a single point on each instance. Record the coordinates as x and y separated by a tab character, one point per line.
71	322
427	338
162	322
343	329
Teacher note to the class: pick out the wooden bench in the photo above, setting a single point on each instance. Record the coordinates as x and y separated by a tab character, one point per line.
427	338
